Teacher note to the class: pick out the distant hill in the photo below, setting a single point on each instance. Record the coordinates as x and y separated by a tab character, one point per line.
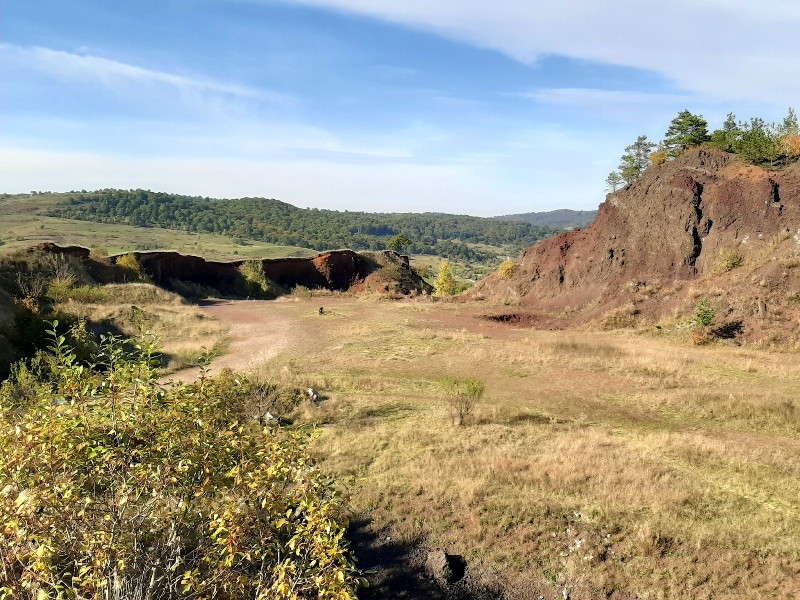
562	218
471	239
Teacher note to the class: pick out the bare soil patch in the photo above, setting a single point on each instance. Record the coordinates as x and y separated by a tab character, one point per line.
256	334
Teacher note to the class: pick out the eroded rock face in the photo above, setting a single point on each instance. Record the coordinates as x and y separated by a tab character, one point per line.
163	267
670	226
335	270
78	252
338	270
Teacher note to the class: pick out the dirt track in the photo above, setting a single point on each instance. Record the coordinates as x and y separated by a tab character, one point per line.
256	333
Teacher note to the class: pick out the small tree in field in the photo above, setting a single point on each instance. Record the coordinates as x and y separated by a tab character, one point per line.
445	282
704	313
462	395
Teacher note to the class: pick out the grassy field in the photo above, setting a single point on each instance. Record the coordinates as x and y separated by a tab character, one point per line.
596	462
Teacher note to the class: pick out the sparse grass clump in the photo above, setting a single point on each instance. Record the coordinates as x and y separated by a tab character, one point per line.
728	260
301	291
620	318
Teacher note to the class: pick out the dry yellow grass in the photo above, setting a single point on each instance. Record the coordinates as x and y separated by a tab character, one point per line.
184	329
598	461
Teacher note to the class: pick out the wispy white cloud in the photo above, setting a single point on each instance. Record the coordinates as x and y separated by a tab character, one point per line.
727	50
590	97
86	68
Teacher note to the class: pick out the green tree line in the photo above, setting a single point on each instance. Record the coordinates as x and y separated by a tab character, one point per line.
272	221
756	141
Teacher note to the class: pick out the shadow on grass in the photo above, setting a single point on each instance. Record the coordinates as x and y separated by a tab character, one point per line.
396	569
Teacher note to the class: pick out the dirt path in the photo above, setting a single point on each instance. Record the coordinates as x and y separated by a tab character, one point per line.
257	334
261	329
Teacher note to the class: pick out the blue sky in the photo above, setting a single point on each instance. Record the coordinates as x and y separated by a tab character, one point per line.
453	106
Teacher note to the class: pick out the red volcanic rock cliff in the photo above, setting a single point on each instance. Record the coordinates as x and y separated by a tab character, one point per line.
670	227
336	270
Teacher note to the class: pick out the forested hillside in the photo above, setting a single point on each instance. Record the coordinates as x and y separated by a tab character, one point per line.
453	236
562	218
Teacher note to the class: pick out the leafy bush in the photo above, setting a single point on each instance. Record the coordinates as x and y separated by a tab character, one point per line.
256	283
462	396
130	265
112	486
704	313
507	268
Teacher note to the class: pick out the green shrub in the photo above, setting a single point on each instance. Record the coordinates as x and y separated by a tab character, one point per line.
130	267
256	283
60	288
462	395
704	313
114	486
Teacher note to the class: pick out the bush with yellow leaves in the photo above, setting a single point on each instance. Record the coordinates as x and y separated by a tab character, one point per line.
114	486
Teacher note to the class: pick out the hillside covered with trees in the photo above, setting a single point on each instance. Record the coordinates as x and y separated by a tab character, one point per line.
276	222
562	218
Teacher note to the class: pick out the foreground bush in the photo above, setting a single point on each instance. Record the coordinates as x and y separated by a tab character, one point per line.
112	486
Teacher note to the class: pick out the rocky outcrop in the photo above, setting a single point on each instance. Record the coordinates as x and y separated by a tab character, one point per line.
674	225
338	270
164	268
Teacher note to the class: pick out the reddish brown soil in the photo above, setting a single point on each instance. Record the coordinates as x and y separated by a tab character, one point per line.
656	246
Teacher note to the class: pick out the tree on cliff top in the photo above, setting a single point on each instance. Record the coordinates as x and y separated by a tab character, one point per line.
614	181
685	131
636	159
725	139
399	243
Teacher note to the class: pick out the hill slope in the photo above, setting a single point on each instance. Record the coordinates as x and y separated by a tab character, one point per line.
704	224
562	218
473	239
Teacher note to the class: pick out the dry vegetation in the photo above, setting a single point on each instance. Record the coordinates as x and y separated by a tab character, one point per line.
596	462
184	329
